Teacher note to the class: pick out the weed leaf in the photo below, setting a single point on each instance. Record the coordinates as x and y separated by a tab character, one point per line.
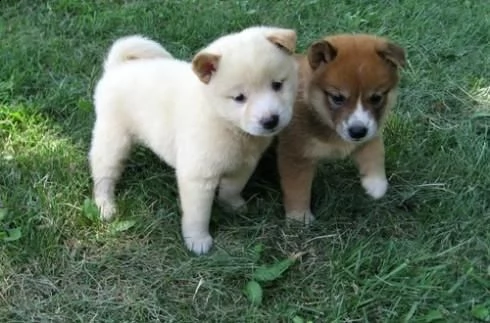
481	312
267	273
272	272
13	234
90	210
298	319
253	291
432	316
85	105
257	251
120	226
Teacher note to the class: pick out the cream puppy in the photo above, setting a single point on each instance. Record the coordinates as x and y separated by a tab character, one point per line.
210	119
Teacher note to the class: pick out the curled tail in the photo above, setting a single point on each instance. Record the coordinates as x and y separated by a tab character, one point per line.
133	47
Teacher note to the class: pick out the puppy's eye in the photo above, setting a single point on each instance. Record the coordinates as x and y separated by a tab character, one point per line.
277	86
375	99
336	99
240	98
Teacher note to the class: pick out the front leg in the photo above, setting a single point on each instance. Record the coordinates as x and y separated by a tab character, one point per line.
370	160
231	186
196	199
296	176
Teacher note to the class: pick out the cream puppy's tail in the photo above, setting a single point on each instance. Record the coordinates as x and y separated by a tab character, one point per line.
133	47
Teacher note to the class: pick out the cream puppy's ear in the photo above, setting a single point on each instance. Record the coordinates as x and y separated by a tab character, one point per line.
204	65
285	39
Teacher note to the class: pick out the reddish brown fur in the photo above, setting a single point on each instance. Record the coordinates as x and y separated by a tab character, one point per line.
356	66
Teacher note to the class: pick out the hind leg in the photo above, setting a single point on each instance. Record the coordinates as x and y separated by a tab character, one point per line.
110	146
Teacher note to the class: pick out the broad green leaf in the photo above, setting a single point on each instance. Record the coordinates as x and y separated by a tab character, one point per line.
298	319
257	251
85	105
272	272
13	234
253	291
434	315
266	273
120	226
481	312
90	210
3	213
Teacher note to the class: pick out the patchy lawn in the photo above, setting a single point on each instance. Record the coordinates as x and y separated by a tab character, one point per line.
421	254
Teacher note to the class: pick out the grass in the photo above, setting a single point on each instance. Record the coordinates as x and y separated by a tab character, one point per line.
421	254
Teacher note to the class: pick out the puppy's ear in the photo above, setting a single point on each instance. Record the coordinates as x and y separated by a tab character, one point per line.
204	65
321	52
393	54
285	39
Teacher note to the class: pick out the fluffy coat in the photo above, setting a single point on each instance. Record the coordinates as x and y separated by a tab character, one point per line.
211	119
347	88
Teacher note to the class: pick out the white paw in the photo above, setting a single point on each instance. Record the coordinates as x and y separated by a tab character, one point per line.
234	203
107	209
305	217
200	244
375	186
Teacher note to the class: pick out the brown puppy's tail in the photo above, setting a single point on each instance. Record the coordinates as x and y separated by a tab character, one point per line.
133	47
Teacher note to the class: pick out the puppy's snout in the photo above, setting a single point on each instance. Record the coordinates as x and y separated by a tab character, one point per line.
358	131
271	122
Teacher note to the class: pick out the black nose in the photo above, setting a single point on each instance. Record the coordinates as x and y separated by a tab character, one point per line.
357	131
270	122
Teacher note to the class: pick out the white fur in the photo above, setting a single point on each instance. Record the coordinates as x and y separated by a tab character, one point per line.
133	47
145	96
375	186
360	116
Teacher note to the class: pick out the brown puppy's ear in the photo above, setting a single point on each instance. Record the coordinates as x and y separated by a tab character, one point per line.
285	39
204	65
392	53
321	52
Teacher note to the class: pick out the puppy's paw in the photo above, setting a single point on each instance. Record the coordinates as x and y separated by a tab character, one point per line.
375	186
107	209
305	217
234	203
199	244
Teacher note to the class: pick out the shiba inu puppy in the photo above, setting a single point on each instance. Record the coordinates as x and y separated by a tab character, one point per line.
211	119
347	87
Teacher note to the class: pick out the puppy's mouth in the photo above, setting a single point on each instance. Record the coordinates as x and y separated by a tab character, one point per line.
259	131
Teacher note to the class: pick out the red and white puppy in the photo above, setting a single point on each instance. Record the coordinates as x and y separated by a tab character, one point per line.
347	87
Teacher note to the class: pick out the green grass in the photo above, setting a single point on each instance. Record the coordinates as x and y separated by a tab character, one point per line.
421	253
